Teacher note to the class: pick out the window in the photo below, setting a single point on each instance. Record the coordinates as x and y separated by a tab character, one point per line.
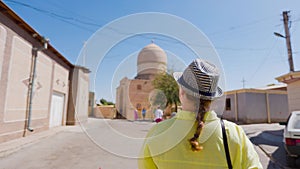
228	104
297	124
139	87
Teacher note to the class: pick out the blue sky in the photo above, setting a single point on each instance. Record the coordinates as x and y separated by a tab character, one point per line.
241	32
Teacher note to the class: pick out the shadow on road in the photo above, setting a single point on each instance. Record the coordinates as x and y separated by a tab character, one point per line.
271	142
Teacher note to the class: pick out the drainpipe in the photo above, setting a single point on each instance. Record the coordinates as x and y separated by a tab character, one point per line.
32	77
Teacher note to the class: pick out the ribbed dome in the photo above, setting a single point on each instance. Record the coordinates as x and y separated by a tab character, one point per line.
151	60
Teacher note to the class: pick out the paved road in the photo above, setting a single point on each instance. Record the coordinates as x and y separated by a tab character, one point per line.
268	139
93	146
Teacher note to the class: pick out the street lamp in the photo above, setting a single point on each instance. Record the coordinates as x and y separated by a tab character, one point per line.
279	35
289	48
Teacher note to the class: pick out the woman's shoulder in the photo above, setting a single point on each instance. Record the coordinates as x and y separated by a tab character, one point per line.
234	130
230	124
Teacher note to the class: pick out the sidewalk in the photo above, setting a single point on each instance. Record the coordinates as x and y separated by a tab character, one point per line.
12	146
75	147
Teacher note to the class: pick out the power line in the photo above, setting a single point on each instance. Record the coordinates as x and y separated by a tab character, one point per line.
241	49
234	28
71	12
58	16
82	25
71	20
54	14
263	62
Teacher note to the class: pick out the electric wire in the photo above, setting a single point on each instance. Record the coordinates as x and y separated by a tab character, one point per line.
82	25
79	23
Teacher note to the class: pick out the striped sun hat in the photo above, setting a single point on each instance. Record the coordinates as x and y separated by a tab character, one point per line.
200	79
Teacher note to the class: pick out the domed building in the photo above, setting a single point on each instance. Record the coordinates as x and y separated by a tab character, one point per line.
151	61
134	94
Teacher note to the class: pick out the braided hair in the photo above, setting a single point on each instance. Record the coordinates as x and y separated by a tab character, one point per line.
203	107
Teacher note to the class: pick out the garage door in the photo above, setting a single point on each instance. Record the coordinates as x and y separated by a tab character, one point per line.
57	109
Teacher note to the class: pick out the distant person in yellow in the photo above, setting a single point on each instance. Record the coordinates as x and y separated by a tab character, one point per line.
195	138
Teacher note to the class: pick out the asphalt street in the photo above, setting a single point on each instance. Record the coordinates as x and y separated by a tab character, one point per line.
93	146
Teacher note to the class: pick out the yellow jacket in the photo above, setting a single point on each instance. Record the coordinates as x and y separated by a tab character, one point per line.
167	146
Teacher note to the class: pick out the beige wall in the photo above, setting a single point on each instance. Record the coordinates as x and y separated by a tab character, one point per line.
294	96
52	75
292	79
17	82
122	99
60	84
79	96
42	87
61	75
82	97
257	106
2	44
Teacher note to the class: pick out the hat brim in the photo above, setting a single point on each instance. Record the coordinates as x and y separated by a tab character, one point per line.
177	75
219	92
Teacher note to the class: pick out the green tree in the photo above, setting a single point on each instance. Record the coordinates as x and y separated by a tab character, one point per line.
105	102
167	84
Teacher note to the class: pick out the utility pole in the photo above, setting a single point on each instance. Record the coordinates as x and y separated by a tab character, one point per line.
244	82
288	39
